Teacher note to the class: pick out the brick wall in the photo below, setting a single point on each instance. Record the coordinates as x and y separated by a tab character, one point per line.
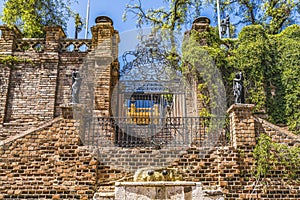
31	94
34	89
105	65
68	63
242	129
131	159
4	80
230	168
48	162
277	134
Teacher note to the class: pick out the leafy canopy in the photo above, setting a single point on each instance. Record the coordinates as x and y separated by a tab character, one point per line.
271	69
32	15
171	17
269	61
274	15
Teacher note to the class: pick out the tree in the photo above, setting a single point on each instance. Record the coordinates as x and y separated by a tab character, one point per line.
267	60
31	16
273	15
169	19
177	13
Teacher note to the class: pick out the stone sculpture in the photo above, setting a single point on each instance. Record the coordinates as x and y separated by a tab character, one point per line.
76	82
156	174
238	88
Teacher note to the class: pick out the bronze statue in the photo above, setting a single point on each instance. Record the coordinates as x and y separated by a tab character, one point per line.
238	88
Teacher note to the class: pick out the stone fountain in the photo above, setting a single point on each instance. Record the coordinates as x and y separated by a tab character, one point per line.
162	183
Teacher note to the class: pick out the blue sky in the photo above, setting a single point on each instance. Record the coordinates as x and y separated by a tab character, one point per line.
111	8
114	9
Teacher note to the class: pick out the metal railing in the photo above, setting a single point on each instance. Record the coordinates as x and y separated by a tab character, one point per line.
156	133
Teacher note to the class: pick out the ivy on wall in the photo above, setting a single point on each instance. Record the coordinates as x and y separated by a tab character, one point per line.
199	64
271	155
289	62
270	65
10	61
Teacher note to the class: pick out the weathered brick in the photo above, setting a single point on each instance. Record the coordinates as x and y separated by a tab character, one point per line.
51	160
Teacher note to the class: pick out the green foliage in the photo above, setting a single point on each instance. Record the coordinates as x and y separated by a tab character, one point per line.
288	61
171	17
200	63
252	59
10	61
31	16
270	63
270	155
273	15
280	12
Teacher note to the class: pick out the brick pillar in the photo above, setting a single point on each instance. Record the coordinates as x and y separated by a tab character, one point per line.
53	36
201	24
50	61
242	131
195	103
8	43
8	39
105	41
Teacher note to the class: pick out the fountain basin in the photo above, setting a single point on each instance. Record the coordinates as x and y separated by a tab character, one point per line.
167	190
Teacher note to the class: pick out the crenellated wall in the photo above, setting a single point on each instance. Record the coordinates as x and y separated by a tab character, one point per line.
38	80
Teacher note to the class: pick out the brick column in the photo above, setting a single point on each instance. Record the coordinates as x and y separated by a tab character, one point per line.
194	102
8	44
105	42
8	39
201	24
53	36
50	61
242	131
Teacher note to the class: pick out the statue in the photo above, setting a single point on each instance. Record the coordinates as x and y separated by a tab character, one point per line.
238	88
156	174
76	82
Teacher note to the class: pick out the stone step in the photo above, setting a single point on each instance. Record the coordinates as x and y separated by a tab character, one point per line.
104	196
